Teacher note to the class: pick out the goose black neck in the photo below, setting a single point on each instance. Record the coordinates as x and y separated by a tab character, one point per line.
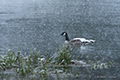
66	38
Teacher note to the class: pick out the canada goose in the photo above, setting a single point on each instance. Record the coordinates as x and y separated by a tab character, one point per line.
76	41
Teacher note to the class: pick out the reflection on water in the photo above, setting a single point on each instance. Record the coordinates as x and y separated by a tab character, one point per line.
38	25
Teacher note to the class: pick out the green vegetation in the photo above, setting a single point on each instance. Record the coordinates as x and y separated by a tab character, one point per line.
63	57
34	65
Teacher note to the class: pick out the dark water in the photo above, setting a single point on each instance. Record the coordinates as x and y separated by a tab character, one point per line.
37	24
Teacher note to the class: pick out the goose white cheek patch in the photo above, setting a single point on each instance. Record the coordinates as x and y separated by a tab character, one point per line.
64	34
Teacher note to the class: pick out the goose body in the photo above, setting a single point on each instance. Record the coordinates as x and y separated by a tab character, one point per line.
83	40
76	41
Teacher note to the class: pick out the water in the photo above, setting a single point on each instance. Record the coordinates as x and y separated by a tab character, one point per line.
37	25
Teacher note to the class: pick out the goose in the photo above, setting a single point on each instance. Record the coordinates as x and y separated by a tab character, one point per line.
76	41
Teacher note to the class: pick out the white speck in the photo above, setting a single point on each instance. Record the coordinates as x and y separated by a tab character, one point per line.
9	50
42	59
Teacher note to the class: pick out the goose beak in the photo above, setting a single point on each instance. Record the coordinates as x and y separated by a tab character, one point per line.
61	34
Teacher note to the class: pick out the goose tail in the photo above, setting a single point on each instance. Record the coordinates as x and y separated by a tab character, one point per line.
92	41
88	41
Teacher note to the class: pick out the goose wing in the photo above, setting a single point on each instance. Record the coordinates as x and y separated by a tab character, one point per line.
83	40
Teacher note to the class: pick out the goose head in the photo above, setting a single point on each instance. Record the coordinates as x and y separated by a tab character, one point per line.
64	33
66	36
